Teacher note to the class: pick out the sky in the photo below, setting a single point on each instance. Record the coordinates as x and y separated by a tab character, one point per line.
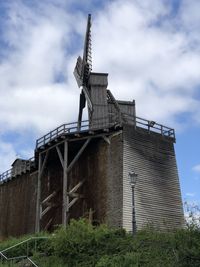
150	48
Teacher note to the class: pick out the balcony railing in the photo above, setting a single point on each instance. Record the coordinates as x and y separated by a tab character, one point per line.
107	122
17	170
101	123
86	125
150	126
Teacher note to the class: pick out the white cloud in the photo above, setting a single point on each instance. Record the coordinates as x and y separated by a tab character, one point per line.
155	63
150	56
143	58
7	156
196	168
190	194
31	93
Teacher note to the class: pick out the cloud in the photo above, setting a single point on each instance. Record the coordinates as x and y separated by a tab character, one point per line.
35	89
151	54
196	168
149	58
7	156
190	194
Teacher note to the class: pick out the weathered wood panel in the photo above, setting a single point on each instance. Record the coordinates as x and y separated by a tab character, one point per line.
127	107
157	191
98	93
101	167
18	206
104	165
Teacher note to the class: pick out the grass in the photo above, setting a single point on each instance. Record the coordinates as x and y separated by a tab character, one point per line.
82	245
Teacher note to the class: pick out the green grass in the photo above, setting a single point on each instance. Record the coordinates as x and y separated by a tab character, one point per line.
82	245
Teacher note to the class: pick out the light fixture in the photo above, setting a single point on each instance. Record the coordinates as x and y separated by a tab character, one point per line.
133	178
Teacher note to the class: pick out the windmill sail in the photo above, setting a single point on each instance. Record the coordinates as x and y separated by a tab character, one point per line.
82	72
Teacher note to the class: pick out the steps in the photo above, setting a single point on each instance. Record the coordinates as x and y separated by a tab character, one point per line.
29	247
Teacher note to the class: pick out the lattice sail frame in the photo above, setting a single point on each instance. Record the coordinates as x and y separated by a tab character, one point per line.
82	72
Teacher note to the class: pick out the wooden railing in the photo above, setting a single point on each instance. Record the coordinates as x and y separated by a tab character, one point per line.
101	123
150	126
62	129
18	170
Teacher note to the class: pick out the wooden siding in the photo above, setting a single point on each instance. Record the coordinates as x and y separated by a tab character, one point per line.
157	192
104	165
17	205
98	92
101	167
127	107
115	181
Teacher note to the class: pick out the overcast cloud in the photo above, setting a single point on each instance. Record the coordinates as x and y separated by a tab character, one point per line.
150	50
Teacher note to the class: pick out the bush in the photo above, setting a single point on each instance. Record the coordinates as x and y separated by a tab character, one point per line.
82	245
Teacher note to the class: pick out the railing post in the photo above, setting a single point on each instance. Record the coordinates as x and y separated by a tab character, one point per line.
135	122
162	130
148	127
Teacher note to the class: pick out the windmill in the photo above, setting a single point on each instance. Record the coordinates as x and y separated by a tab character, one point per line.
82	73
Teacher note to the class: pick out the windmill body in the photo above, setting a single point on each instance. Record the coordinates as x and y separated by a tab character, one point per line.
89	168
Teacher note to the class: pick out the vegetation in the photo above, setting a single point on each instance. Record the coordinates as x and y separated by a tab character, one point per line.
82	245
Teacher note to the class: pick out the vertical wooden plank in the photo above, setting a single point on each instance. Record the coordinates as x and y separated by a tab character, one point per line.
38	204
65	208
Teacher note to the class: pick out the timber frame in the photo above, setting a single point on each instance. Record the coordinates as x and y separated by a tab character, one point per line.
66	189
69	196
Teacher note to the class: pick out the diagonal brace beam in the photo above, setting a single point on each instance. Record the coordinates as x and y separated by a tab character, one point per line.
49	197
78	155
44	163
76	187
60	156
71	203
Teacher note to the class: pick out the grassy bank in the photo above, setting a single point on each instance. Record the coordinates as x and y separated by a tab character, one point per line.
83	245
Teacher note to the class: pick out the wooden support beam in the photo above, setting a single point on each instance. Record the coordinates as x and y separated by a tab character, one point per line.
116	133
106	139
41	166
60	156
71	203
65	208
76	187
45	211
74	139
37	222
48	224
76	195
78	155
44	163
49	197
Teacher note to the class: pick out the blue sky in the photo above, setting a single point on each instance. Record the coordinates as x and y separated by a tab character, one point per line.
150	48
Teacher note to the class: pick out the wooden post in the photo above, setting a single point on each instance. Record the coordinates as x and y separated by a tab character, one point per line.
37	223
41	167
65	207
